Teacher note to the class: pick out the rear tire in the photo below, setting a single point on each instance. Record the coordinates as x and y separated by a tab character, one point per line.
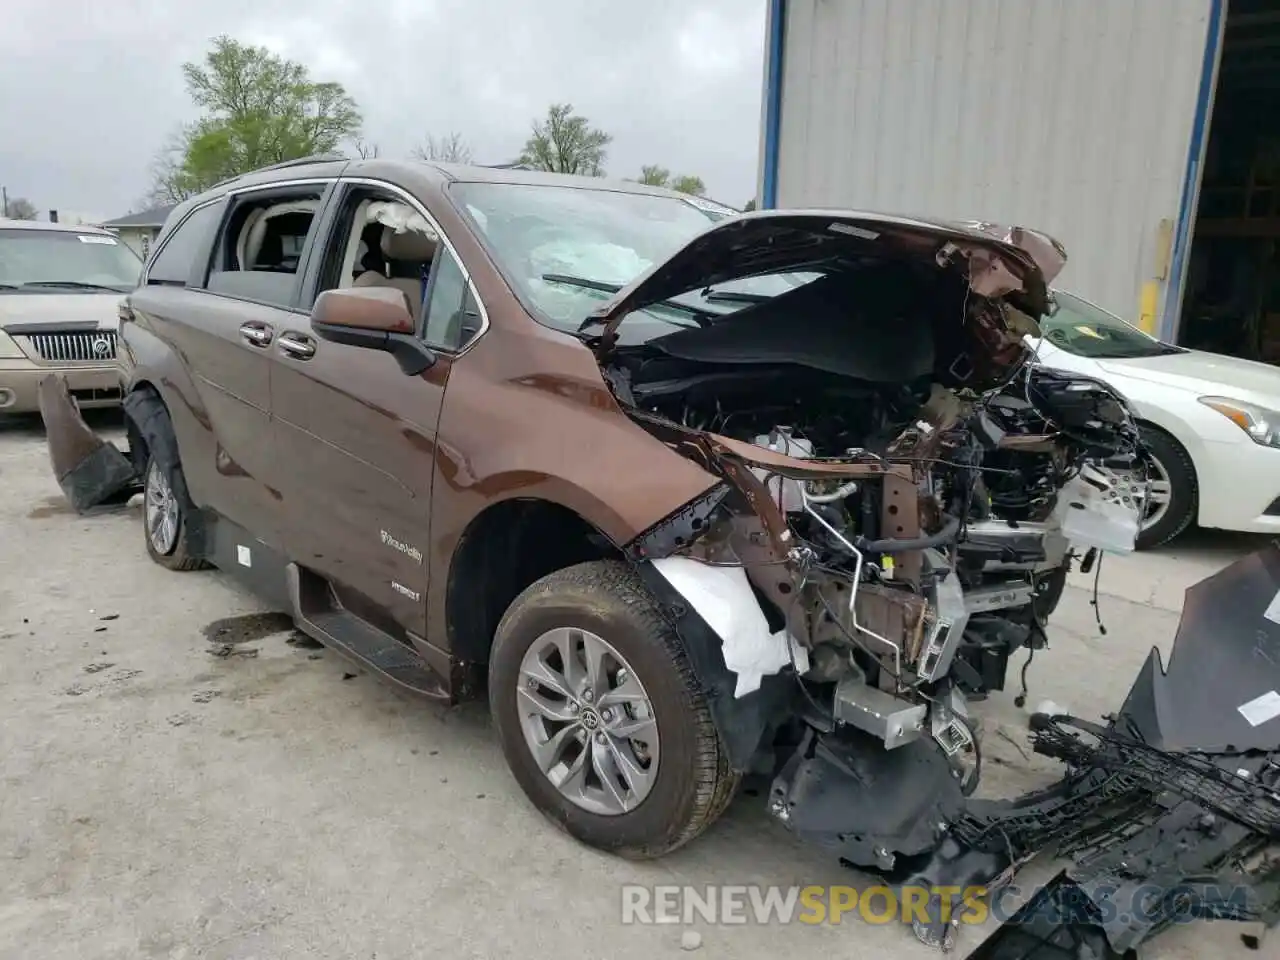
172	527
606	602
1184	494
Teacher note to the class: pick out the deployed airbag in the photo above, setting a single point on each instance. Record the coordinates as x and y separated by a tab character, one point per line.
722	596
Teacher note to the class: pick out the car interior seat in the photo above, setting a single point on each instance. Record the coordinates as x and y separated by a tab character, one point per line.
407	257
261	245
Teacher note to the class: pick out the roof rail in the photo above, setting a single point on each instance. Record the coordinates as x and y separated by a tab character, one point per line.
286	164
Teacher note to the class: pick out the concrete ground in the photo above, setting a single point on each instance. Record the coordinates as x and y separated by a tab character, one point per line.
174	791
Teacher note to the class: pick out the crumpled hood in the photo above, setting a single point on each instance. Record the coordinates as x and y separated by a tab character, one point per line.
21	310
1010	262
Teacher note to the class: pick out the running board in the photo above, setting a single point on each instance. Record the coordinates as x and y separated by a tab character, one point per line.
316	615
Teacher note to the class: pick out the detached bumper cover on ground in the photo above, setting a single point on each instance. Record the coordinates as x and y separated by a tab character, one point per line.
1171	811
90	470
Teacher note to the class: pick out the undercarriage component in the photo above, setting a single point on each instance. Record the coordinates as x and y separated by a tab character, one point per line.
997	596
890	719
868	805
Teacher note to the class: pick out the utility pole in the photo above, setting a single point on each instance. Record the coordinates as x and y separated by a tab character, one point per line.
4	191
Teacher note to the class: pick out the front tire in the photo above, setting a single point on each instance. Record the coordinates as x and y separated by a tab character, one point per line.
1175	493
601	718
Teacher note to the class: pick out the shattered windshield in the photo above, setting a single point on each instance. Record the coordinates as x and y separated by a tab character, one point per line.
1087	330
62	261
565	250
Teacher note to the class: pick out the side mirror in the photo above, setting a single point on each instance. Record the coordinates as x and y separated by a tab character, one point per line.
376	318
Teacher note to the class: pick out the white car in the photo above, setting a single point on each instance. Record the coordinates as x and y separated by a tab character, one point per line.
1211	423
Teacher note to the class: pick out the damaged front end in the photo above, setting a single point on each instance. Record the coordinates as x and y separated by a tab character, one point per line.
903	492
830	608
904	488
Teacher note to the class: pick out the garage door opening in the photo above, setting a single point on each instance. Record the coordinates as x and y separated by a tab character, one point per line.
1231	302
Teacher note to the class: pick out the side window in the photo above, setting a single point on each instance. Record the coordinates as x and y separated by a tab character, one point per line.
260	248
354	252
379	239
452	314
176	260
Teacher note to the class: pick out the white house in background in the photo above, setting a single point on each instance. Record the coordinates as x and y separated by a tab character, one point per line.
139	230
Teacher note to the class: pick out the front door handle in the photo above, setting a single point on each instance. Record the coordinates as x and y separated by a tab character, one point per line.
297	346
256	334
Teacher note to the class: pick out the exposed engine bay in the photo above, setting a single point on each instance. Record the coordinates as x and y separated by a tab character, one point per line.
949	512
903	494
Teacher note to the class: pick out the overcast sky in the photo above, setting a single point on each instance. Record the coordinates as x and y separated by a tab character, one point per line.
89	90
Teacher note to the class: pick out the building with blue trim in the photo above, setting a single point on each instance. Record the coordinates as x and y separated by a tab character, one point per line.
1144	134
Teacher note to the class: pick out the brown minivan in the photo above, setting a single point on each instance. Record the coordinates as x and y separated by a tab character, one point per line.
690	496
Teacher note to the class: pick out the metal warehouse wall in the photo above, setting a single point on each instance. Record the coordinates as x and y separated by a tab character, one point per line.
1071	116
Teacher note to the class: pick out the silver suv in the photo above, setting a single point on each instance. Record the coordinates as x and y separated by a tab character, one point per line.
60	289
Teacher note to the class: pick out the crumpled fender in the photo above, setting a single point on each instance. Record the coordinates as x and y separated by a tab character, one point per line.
90	470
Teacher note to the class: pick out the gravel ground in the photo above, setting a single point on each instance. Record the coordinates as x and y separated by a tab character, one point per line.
183	778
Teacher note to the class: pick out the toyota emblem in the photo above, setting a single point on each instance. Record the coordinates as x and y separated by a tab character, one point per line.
101	347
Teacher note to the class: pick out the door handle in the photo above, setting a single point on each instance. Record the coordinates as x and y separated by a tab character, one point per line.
297	346
256	334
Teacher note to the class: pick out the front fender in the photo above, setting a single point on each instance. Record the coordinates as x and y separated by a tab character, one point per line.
509	428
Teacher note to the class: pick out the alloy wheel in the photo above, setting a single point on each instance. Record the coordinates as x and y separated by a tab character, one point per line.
1151	489
160	511
588	721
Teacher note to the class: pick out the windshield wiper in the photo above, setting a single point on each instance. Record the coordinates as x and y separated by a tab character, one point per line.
729	296
699	316
73	285
583	282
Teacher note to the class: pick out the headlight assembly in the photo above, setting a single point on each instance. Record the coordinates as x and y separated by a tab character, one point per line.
1262	425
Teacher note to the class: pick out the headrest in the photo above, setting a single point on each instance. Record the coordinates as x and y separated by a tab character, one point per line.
407	245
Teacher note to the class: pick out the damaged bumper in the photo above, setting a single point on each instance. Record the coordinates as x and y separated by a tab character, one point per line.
91	471
1171	810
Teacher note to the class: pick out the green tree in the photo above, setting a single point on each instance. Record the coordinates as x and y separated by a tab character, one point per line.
566	143
20	208
751	205
655	176
689	184
448	149
258	108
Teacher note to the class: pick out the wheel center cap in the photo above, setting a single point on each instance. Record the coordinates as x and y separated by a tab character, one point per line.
590	719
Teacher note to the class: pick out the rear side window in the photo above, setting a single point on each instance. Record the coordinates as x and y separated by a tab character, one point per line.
176	260
259	252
